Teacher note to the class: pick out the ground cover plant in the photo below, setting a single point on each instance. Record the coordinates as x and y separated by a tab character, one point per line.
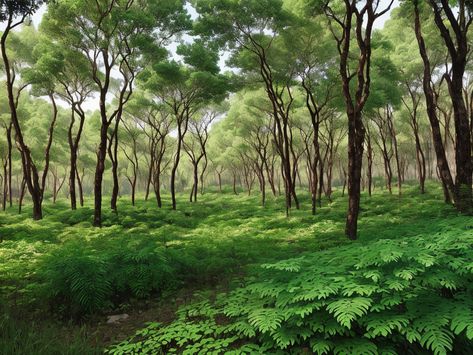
310	290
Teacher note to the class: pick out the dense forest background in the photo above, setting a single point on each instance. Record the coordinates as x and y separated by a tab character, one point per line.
128	126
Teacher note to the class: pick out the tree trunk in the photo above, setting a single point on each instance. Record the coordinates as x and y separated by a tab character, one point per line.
5	185
100	167
370	163
234	184
81	192
113	152
392	131
157	183
219	182
10	147
356	134
22	195
174	170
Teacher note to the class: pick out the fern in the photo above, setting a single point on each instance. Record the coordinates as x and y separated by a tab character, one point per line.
321	346
265	319
348	309
384	297
462	319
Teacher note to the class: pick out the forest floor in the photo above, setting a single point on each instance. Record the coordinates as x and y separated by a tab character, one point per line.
152	260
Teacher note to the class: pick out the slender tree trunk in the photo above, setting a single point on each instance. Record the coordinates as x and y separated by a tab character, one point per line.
195	185
73	163
174	169
392	131
370	162
202	174
100	167
157	182
5	185
219	182
150	176
81	192
55	180
22	195
10	148
234	184
113	152
133	191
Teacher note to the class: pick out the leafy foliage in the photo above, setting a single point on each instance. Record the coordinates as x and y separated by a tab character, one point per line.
410	294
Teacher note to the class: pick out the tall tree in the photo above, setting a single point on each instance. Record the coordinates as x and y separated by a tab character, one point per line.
13	14
196	146
354	20
431	100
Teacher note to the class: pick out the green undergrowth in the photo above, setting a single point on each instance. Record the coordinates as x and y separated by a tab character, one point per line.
404	292
63	268
141	252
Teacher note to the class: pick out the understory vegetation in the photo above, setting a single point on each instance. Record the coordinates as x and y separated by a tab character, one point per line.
404	287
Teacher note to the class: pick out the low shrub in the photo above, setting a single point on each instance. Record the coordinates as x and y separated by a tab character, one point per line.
412	295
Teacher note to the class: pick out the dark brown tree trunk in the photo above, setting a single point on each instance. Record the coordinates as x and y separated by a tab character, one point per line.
270	174
370	162
55	180
420	157
356	135
22	195
392	131
157	183
234	184
355	98
320	181
81	192
182	126
5	184
195	184
113	153
202	173
150	176
442	162
99	170
314	184
219	175
9	178
177	157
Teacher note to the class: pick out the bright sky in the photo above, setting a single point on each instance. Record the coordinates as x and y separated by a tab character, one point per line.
92	104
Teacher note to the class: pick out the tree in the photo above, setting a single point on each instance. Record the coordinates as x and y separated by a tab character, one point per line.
432	105
196	146
14	14
355	75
